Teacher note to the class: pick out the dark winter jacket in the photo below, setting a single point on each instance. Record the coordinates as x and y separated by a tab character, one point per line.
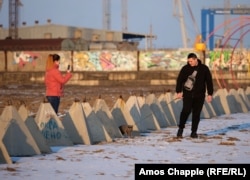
202	84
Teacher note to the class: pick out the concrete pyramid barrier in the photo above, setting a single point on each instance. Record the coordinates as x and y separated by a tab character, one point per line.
210	109
165	100
4	155
217	105
220	98
122	116
247	92
233	105
244	97
103	113
96	129
75	124
174	105
34	130
239	104
15	134
147	116
51	126
134	109
205	113
24	111
169	104
156	108
172	108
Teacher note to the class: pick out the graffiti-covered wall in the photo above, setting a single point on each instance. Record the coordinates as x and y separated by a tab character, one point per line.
35	61
228	59
162	60
105	61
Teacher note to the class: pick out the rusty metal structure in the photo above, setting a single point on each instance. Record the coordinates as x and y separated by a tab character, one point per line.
30	44
14	18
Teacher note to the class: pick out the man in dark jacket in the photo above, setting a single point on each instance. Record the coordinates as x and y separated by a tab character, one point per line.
193	83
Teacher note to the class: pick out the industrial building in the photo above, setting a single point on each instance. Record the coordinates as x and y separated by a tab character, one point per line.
68	38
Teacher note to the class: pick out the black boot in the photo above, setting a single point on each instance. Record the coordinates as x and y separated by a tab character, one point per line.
179	133
194	135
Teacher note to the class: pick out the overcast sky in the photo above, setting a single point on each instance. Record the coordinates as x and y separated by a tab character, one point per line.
141	14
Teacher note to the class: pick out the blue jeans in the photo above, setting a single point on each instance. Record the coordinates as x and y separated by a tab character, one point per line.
54	101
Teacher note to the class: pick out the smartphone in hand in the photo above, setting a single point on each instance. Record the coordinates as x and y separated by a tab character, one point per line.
68	67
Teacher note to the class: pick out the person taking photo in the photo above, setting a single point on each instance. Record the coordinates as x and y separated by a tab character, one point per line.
55	80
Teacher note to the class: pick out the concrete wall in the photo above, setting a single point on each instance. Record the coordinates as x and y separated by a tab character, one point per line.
133	78
109	68
113	60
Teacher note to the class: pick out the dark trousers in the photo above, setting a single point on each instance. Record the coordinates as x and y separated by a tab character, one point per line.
54	101
193	105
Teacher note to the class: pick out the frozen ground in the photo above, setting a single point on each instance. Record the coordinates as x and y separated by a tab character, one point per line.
223	139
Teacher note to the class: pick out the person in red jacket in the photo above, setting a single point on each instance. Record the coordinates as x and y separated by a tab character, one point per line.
55	80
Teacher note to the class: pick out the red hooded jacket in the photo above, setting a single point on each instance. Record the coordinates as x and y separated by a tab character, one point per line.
55	81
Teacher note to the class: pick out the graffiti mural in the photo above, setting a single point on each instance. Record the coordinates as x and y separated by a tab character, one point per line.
23	57
162	60
174	60
159	60
224	60
36	60
105	61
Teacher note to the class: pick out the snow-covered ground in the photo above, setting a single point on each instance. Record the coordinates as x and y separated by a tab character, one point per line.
223	139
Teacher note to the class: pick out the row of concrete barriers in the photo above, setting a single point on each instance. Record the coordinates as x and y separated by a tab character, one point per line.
24	134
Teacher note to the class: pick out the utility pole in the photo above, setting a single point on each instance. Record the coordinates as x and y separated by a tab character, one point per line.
124	16
106	14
